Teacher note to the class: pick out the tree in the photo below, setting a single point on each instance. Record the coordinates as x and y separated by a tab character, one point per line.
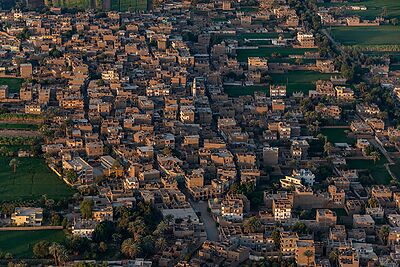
333	257
394	21
375	156
55	53
103	247
276	236
384	12
308	254
160	244
86	207
148	245
384	233
328	148
299	228
41	249
70	176
373	202
104	231
130	248
252	224
14	164
58	252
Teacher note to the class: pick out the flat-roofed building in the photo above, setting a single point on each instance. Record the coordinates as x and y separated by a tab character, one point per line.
27	216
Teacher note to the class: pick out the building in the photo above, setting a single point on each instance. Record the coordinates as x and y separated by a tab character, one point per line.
305	175
288	243
94	149
326	218
27	216
270	156
257	63
83	228
83	170
233	207
306	40
277	90
26	70
364	222
3	92
282	209
303	247
348	257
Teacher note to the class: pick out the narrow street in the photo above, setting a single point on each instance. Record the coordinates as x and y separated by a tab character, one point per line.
209	223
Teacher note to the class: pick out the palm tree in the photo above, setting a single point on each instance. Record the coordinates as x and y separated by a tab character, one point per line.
160	243
333	257
375	156
130	248
62	255
252	225
328	148
308	254
14	164
55	250
384	233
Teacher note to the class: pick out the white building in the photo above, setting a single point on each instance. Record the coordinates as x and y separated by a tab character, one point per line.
305	175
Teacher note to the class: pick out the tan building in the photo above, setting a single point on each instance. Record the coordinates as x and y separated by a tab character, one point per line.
26	70
257	63
277	90
94	149
288	243
3	91
282	209
348	257
326	218
26	216
364	221
306	40
305	253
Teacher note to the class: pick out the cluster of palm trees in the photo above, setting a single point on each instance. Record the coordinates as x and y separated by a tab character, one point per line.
59	253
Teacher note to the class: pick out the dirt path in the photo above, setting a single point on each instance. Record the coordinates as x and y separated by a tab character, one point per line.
21	133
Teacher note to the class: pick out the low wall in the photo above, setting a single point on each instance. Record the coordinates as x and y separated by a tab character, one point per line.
30	228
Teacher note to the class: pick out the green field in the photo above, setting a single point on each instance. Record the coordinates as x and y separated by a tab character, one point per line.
374	8
299	81
20	243
395	169
243	54
81	4
18	126
242	36
31	180
337	135
377	35
377	170
14	84
236	90
296	81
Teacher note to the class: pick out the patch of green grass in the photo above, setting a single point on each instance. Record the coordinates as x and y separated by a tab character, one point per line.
18	126
31	180
243	54
236	90
14	84
299	81
337	135
394	67
377	169
253	35
395	169
20	243
374	8
379	35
